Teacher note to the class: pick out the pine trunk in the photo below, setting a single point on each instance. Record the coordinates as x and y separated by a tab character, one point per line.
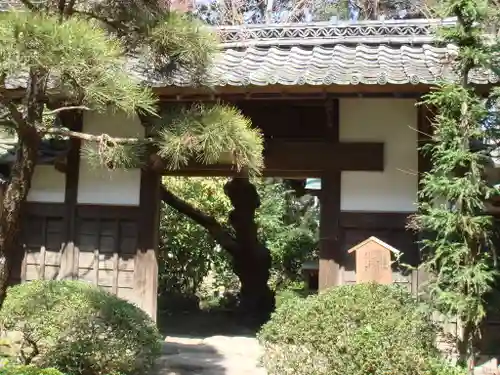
13	199
252	261
252	266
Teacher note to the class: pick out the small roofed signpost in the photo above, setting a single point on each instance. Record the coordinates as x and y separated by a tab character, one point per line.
373	261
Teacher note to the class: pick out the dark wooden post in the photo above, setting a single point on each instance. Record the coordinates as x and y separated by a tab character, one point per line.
146	264
69	255
330	254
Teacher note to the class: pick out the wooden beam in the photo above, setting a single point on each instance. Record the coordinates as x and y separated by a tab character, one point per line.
200	93
303	159
358	220
318	156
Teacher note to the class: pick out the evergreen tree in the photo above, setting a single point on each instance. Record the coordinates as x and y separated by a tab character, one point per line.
458	249
75	56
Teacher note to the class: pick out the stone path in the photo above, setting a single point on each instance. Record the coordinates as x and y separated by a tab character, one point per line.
213	355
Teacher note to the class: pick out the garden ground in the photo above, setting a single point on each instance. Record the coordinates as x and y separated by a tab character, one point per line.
208	344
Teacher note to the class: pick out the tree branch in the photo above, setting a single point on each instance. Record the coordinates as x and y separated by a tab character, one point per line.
113	24
70	108
94	138
28	4
213	227
61	5
70	7
17	116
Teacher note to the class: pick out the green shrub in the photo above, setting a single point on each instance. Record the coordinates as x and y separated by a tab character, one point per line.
28	370
295	290
80	329
364	329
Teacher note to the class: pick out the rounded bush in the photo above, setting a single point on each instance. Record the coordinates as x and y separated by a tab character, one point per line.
80	329
364	329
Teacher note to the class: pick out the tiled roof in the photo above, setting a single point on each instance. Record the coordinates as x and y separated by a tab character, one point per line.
339	64
372	52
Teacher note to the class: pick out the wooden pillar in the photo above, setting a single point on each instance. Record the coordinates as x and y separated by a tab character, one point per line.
69	264
146	265
330	253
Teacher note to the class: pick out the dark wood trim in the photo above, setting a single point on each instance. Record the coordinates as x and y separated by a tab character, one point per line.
373	220
207	92
146	264
69	254
45	209
321	155
84	211
92	211
226	171
204	93
277	96
330	252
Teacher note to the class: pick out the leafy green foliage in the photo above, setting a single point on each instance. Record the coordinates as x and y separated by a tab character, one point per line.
358	330
458	242
293	290
288	225
80	329
187	252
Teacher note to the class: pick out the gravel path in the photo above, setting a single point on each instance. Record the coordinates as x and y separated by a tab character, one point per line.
213	355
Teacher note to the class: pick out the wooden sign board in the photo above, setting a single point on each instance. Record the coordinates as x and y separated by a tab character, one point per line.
373	261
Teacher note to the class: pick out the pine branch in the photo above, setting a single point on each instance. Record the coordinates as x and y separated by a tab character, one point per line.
115	25
102	138
70	108
28	4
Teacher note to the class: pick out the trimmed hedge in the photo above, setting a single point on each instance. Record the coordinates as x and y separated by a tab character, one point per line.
80	329
28	370
364	329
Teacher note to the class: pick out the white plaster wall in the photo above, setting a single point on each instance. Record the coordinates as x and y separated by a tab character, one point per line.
98	185
47	185
394	122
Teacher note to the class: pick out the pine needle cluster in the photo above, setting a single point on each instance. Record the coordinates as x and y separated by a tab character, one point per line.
78	55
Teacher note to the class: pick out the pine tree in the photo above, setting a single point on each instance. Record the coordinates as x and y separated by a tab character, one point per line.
458	249
73	55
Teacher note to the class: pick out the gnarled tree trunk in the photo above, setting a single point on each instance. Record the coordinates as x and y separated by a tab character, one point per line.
14	196
252	263
251	260
21	172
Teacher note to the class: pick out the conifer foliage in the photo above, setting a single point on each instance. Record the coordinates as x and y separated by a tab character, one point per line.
458	247
66	56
